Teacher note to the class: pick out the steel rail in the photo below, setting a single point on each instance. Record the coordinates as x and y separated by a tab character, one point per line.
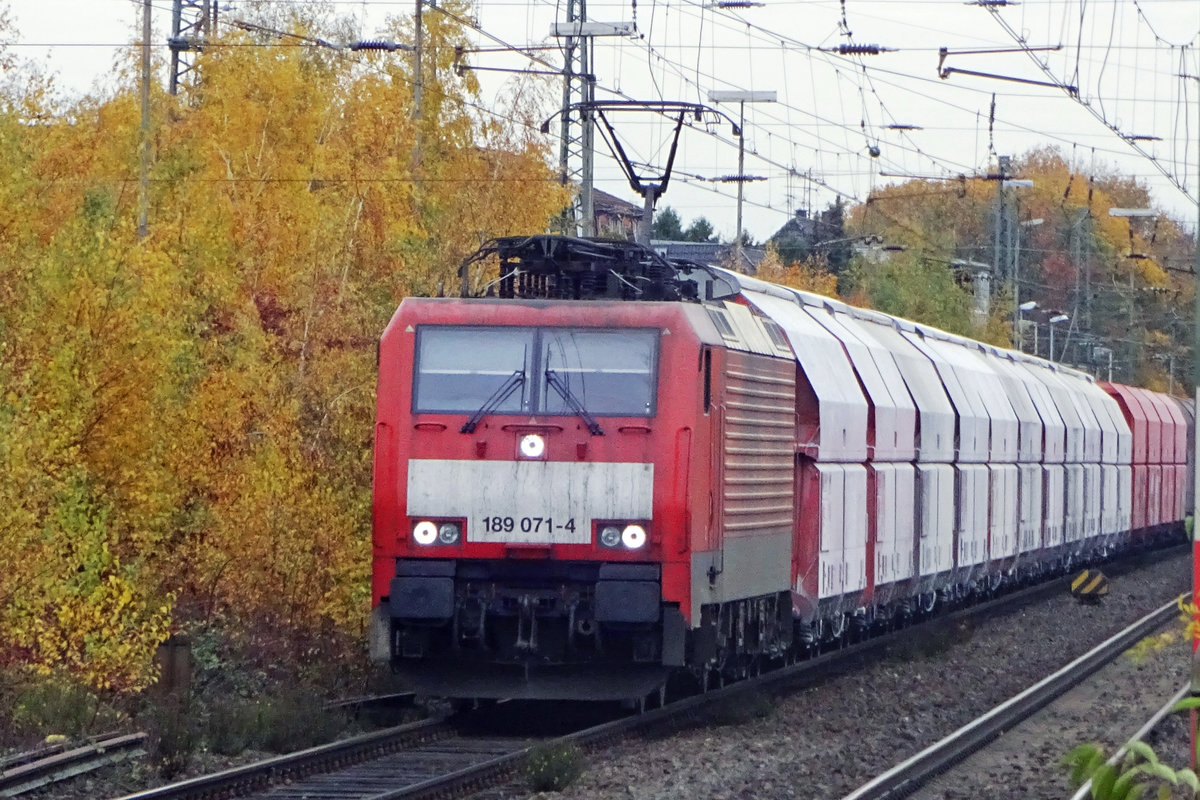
1085	790
355	704
262	774
27	756
909	775
492	771
43	770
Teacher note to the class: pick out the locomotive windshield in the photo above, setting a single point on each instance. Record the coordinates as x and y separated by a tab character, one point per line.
609	372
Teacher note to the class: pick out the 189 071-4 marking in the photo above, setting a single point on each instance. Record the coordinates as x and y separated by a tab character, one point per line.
498	524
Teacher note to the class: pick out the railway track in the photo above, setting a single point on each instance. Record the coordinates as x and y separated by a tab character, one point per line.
50	765
439	758
1085	790
908	776
251	778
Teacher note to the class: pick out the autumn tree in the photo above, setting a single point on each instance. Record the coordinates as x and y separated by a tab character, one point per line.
186	420
929	227
810	275
1111	276
916	287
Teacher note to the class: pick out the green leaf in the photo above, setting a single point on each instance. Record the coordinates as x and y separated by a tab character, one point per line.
1144	750
1187	704
1136	791
1161	771
1102	781
1124	785
1082	760
1188	777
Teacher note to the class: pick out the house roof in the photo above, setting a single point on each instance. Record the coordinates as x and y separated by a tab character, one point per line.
605	203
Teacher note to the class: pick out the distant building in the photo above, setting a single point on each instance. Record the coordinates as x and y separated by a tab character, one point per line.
615	218
619	219
801	226
806	235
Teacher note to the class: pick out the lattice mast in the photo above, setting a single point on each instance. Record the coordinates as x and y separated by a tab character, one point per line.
577	135
193	22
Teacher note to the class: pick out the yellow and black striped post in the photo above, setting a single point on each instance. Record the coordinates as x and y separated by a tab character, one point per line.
1089	586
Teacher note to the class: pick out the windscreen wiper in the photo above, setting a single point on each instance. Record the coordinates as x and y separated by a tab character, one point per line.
492	403
565	391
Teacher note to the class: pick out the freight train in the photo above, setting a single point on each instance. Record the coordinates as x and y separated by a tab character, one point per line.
606	468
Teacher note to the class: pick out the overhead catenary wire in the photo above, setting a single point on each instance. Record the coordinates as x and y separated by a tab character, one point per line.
793	142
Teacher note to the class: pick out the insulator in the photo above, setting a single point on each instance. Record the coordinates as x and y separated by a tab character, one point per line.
859	49
377	44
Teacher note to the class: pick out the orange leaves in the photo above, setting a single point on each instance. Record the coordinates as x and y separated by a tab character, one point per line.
81	608
810	276
185	420
1121	280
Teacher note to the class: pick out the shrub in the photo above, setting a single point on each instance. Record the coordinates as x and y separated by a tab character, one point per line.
552	768
296	720
173	736
233	725
56	705
1131	777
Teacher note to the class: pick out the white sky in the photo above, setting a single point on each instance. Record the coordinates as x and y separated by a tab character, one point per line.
1124	56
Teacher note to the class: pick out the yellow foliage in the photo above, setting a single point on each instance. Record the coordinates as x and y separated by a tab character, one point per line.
186	420
812	275
1119	279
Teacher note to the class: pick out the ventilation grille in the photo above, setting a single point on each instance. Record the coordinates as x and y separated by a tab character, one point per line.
759	445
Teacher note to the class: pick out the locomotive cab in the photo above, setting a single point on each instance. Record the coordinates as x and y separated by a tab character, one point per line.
535	552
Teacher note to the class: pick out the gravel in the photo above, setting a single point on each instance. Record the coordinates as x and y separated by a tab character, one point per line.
1106	709
827	740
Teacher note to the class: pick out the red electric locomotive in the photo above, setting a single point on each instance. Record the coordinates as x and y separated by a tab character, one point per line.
605	467
545	522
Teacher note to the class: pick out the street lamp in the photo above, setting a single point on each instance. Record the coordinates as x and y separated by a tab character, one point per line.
1057	318
741	98
1028	305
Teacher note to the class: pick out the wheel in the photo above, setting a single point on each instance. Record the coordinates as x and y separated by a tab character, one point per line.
926	602
835	627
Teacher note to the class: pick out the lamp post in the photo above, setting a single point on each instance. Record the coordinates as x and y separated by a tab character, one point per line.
1028	305
1010	251
1057	318
741	98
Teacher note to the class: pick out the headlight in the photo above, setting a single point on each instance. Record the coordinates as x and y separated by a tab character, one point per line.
532	446
610	536
633	537
448	533
425	532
